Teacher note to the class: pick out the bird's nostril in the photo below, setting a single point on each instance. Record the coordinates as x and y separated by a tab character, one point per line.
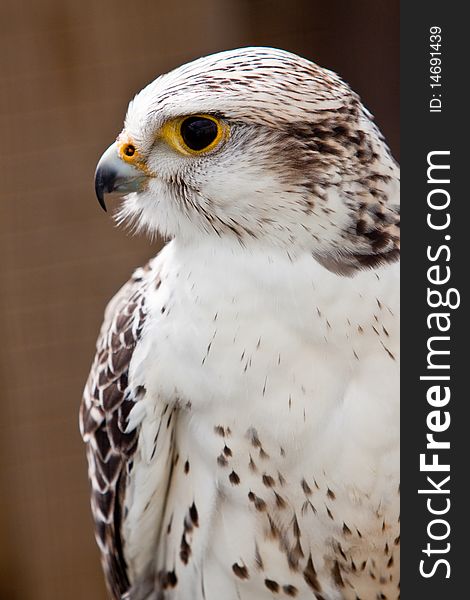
129	150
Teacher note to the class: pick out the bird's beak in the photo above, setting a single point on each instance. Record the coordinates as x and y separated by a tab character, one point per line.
114	175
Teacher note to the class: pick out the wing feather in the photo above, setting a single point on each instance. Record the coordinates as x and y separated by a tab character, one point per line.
107	401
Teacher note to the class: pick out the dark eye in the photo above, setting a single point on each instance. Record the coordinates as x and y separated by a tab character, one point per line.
199	132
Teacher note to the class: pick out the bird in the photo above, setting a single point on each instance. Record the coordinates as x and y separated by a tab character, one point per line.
241	416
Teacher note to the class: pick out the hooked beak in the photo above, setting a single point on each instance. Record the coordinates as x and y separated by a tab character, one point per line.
114	175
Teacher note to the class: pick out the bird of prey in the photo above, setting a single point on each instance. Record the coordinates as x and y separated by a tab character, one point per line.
241	414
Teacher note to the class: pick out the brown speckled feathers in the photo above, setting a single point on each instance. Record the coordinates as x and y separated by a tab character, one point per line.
106	404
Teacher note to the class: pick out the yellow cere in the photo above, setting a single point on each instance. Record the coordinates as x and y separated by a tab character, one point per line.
128	153
170	132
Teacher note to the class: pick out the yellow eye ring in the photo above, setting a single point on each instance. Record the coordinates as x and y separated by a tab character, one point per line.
194	135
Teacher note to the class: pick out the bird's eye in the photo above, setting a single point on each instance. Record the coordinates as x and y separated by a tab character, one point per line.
198	132
195	134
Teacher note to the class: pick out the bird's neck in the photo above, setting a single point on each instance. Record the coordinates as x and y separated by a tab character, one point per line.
226	278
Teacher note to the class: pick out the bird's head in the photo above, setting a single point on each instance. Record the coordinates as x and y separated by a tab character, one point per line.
257	145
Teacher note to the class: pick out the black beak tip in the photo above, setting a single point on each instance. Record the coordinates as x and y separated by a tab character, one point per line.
101	187
100	197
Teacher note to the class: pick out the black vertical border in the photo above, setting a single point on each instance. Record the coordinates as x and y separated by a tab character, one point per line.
422	132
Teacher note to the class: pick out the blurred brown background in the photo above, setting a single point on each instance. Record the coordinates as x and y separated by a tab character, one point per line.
67	72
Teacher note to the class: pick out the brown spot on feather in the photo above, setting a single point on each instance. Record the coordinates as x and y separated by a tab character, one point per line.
194	515
306	488
336	574
290	590
185	550
310	576
240	571
259	503
268	480
234	478
272	585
